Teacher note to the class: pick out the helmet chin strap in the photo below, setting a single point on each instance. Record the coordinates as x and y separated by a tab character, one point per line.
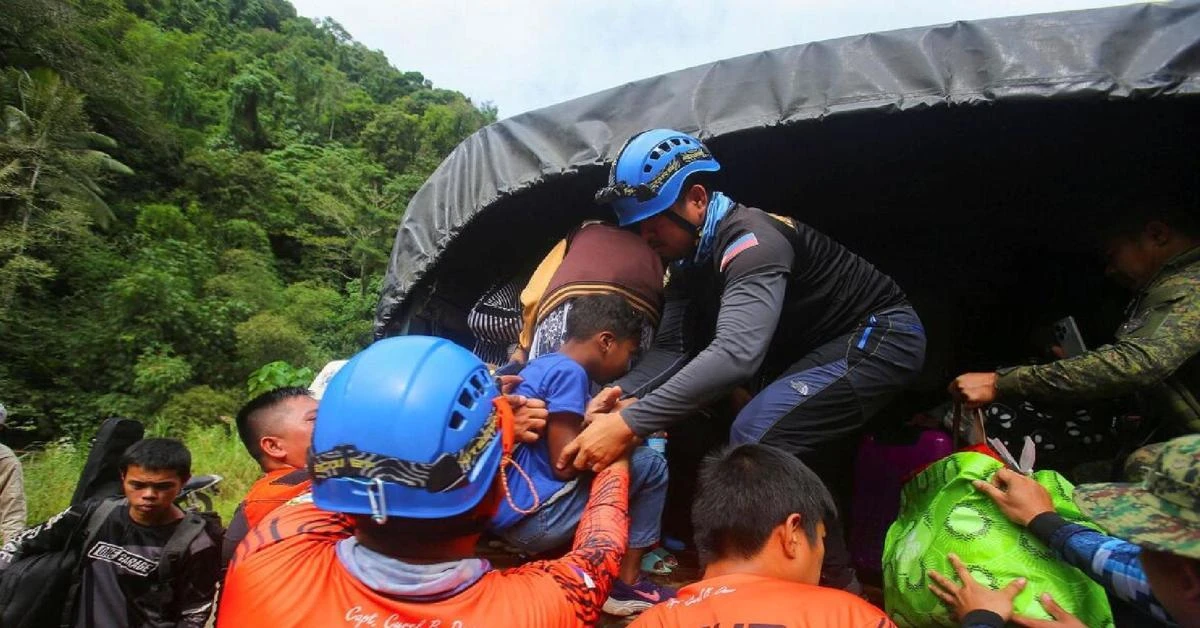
682	222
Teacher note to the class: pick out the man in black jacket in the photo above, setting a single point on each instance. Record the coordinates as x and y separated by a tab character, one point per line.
754	299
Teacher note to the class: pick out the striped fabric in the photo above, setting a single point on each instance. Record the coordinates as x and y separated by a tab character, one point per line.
495	321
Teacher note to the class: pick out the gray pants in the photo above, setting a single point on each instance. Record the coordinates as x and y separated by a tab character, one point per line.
818	407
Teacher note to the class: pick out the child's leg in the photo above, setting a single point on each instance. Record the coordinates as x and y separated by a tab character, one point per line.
553	525
647	495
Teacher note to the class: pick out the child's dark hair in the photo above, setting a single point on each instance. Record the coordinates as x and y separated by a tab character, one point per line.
745	491
595	313
159	454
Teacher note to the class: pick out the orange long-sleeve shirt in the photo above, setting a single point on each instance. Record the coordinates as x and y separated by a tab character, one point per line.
287	573
272	491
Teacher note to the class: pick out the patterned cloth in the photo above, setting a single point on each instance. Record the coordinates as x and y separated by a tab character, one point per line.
1064	440
941	512
1163	512
594	259
495	320
1155	355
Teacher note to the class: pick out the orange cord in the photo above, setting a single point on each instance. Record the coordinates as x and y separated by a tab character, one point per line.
505	462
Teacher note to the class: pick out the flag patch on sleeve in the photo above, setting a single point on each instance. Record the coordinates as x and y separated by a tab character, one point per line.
737	247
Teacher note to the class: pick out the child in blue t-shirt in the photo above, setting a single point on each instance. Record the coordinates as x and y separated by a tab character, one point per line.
602	336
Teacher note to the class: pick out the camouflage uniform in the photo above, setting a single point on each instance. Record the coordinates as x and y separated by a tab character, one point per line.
1163	512
1155	355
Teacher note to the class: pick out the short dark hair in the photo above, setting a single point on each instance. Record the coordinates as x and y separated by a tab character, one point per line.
746	491
158	454
594	313
1126	214
704	178
250	417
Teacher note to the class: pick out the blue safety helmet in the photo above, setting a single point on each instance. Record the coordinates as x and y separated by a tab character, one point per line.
406	429
649	172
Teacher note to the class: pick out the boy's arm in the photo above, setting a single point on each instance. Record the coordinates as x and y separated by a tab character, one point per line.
565	388
562	428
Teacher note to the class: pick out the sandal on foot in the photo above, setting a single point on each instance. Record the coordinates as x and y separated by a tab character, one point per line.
654	564
666	556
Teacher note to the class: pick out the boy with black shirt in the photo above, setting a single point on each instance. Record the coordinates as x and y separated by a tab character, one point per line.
144	562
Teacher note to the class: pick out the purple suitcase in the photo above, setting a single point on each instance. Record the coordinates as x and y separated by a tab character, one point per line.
883	464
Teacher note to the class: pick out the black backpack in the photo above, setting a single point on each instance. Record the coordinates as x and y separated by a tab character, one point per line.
33	588
42	590
101	475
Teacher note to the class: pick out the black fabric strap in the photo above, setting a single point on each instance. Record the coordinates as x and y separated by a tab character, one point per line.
176	547
443	474
982	619
682	222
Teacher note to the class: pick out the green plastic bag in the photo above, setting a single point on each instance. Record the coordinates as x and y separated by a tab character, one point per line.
942	513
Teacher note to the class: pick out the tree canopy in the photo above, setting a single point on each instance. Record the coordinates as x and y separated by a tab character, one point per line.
196	197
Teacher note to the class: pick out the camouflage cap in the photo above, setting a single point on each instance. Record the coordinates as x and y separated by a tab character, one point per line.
1162	512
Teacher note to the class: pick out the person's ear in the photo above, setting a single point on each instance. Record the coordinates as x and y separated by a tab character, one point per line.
271	446
1189	578
1158	232
697	195
606	340
792	532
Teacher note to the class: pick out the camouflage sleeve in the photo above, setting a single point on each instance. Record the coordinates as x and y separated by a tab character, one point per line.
1132	363
1114	563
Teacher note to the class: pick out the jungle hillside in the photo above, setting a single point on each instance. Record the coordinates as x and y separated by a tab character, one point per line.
197	201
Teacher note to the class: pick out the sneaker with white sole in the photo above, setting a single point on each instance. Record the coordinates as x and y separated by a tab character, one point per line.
625	600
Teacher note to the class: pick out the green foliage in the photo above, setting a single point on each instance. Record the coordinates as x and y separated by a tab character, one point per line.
199	405
270	337
50	176
164	222
158	372
243	234
50	479
277	374
191	189
246	277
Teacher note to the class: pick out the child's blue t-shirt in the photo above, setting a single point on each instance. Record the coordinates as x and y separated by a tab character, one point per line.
563	385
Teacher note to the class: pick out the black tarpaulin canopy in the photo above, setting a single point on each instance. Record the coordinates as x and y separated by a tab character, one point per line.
962	159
